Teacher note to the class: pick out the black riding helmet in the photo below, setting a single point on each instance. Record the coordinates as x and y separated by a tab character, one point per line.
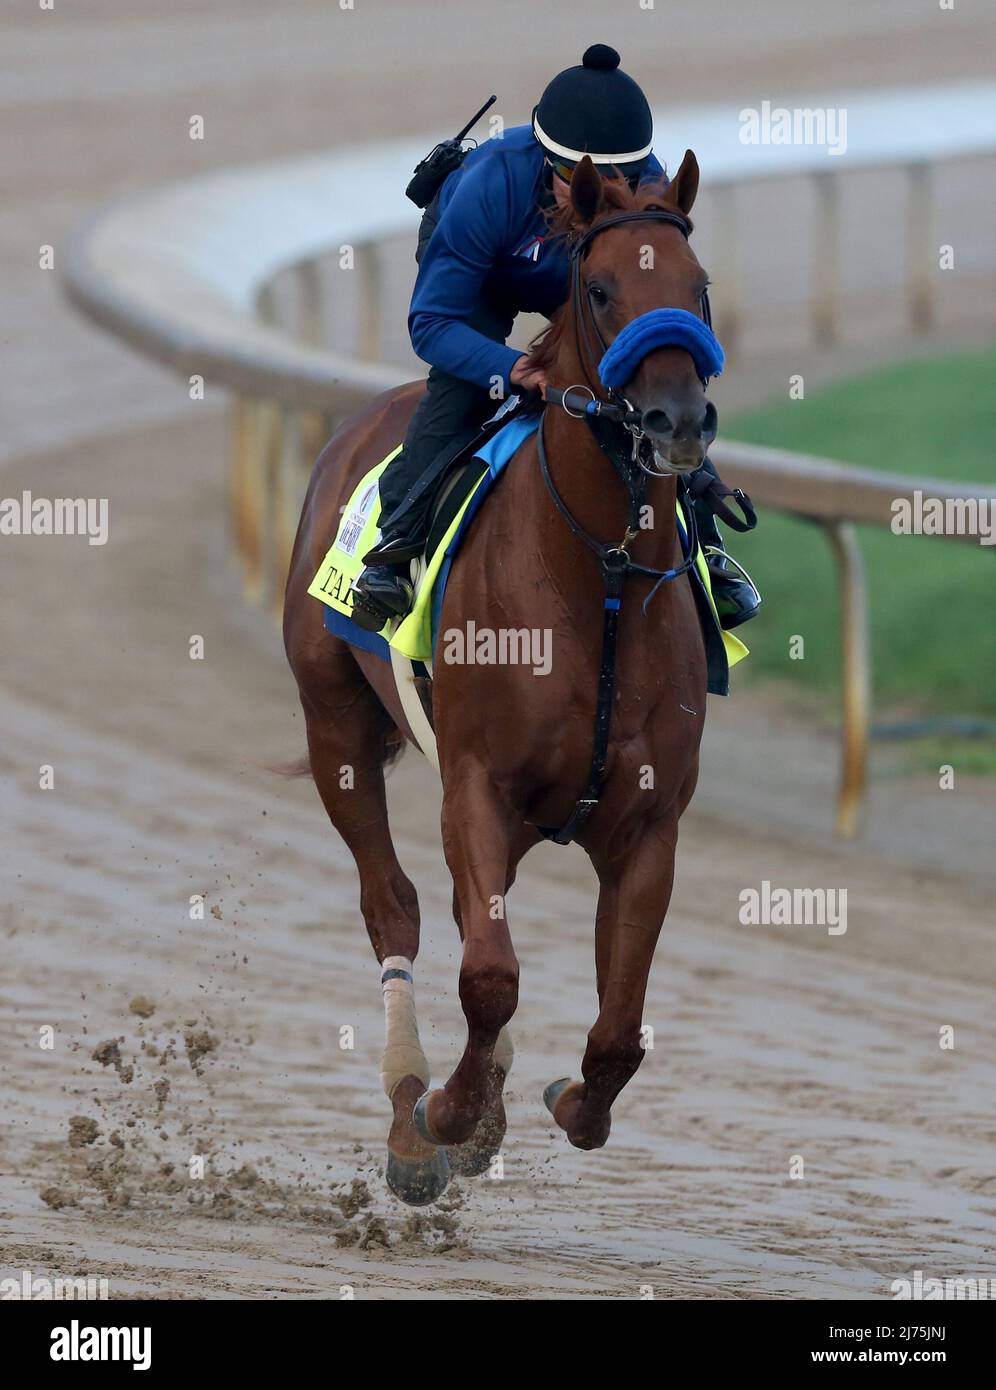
595	109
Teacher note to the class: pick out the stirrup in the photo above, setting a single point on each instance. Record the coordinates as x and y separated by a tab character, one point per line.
742	612
710	550
372	610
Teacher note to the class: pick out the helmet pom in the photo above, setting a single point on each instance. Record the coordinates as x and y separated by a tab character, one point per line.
600	57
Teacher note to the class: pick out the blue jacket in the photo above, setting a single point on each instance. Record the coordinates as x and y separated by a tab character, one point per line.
491	235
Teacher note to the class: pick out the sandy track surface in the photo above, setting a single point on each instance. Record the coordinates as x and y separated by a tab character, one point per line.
769	1042
767	1045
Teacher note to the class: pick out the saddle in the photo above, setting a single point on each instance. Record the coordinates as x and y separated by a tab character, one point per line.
446	482
461	479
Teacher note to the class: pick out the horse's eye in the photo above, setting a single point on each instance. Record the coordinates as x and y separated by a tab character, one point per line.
597	295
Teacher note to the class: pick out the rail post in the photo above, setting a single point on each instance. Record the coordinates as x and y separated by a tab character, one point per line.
921	238
826	239
728	266
368	260
855	676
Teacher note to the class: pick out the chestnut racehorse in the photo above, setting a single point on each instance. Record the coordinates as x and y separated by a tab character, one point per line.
515	746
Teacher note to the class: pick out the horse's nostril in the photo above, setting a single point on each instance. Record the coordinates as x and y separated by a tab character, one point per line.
658	422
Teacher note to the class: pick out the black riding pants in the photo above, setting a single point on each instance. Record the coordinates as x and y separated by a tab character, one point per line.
450	407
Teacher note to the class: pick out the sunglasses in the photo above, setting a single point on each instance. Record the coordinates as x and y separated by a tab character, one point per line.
566	172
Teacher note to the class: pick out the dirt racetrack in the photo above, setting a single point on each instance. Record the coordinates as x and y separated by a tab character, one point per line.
222	1037
768	1042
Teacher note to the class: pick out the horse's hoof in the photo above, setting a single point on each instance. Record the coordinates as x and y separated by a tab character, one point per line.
553	1093
420	1118
418	1181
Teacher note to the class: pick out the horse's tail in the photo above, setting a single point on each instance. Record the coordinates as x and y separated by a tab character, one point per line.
301	767
392	747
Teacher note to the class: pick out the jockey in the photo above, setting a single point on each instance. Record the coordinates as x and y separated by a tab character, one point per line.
483	257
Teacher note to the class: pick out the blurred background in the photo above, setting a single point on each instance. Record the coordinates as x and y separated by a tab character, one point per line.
825	266
198	173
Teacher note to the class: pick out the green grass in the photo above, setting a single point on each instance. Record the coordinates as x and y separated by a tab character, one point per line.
932	601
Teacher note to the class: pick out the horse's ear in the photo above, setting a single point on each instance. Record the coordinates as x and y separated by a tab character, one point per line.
586	191
680	192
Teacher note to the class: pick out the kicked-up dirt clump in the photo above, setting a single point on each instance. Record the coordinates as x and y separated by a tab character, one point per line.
108	1054
56	1198
82	1131
157	1147
199	1043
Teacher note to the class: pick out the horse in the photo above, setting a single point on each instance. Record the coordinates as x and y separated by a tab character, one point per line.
513	745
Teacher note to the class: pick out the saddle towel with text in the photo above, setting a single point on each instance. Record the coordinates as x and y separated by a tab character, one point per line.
414	636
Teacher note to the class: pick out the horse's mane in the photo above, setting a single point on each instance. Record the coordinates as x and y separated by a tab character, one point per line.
617	196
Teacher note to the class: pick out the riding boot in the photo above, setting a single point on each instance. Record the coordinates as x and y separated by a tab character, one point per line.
736	598
384	589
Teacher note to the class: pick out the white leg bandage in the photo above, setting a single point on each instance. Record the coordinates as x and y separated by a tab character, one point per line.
504	1051
403	1055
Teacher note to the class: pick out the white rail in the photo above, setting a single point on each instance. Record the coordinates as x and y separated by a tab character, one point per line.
178	273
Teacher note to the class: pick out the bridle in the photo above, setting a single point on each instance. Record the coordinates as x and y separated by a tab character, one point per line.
615	563
582	401
580	249
601	416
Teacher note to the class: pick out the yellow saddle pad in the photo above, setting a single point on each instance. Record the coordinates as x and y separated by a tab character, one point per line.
358	532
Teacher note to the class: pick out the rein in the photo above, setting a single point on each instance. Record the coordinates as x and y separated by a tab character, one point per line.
614	561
